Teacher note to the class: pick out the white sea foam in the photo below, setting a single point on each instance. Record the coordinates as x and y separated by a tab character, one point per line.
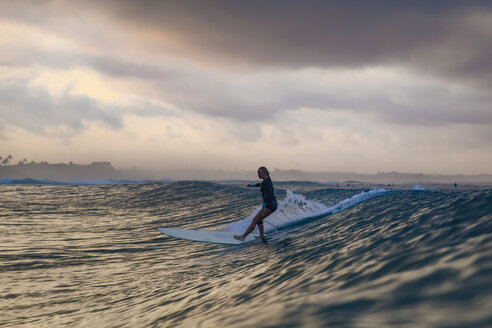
295	207
417	187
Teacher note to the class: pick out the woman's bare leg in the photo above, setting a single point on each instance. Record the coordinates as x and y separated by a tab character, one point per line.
262	214
260	229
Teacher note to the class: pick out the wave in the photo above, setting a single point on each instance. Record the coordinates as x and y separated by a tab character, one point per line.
295	208
385	258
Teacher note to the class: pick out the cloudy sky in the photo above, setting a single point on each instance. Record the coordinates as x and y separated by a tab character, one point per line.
360	86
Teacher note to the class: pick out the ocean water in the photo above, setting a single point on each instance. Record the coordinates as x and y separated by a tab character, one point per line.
89	255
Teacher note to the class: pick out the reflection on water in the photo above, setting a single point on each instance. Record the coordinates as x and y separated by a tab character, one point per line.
91	256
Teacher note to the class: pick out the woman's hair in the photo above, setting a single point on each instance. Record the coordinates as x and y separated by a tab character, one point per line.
264	169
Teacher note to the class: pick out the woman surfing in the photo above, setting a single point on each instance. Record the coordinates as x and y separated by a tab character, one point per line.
269	203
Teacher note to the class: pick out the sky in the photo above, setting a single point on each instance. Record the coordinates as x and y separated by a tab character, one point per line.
361	86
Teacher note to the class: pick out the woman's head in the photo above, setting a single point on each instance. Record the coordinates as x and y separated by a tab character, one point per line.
263	173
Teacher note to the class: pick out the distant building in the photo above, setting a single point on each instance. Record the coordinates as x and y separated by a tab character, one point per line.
102	165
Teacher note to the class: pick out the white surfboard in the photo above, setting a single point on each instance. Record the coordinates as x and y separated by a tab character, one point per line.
206	236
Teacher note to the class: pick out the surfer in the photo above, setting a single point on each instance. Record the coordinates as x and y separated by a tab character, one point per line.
269	203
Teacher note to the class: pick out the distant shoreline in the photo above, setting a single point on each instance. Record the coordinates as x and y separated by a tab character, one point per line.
105	171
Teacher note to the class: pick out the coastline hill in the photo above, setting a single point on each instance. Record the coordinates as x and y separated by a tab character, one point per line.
60	171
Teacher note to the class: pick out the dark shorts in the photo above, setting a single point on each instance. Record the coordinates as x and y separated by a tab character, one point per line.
272	206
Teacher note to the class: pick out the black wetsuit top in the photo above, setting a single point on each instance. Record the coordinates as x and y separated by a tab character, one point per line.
268	194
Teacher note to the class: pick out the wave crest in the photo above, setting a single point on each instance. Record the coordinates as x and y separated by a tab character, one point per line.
295	208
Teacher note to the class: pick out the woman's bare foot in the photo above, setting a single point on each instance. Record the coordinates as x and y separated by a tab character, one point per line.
261	237
239	237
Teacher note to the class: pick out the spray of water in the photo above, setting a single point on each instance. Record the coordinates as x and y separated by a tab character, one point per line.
295	208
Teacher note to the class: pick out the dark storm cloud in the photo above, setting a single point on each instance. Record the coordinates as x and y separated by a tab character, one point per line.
299	33
447	39
429	35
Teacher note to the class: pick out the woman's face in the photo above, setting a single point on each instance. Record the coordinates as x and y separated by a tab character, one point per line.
261	174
